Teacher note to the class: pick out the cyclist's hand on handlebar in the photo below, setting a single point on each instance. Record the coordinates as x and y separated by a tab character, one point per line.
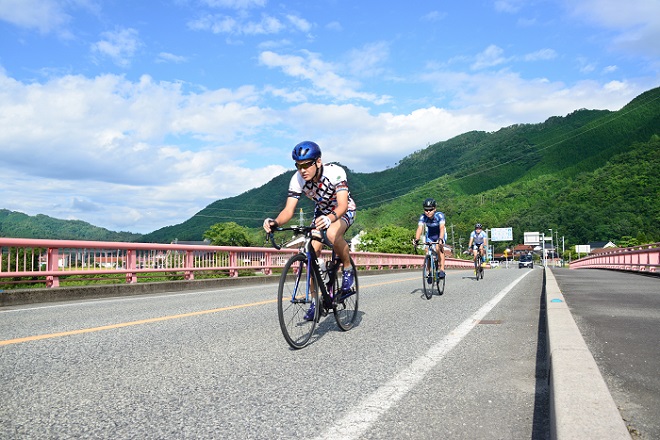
269	225
415	241
322	222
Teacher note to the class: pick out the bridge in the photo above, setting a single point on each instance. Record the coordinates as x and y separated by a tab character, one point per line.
522	354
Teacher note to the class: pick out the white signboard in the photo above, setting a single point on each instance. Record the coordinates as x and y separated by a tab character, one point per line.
532	238
582	248
501	234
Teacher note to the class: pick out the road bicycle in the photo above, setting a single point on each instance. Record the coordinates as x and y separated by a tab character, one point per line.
431	279
304	284
478	266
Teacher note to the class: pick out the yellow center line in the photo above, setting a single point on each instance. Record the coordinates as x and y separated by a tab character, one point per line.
151	320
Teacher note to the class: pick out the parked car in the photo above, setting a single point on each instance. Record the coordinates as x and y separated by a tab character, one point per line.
526	261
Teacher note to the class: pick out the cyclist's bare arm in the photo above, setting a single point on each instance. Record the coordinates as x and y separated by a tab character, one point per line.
418	233
286	214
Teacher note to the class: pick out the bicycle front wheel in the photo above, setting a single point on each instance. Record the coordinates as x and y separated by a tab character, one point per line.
428	277
346	303
294	299
476	269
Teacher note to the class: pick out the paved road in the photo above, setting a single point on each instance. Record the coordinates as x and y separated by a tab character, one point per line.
618	315
213	364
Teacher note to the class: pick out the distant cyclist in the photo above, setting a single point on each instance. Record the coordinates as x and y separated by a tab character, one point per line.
434	222
334	208
478	242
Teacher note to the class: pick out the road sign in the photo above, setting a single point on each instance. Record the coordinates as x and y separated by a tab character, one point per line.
532	238
501	234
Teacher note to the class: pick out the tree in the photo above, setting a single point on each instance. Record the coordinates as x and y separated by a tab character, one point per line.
388	239
228	234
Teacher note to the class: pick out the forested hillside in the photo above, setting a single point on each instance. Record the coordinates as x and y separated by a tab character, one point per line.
17	224
592	175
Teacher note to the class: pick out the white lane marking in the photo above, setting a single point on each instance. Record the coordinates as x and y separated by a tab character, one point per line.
361	417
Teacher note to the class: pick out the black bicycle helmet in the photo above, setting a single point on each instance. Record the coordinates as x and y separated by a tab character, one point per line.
429	203
306	150
478	226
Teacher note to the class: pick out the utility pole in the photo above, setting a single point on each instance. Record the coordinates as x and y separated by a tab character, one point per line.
543	247
453	242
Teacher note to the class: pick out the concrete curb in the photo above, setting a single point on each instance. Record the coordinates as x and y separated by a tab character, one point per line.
581	406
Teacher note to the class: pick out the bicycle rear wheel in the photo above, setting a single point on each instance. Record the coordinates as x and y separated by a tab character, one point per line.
346	303
294	298
426	274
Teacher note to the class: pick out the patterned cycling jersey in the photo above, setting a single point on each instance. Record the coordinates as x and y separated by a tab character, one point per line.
324	192
478	238
433	225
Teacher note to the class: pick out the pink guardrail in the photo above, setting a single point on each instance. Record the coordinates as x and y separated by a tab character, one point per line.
38	261
644	258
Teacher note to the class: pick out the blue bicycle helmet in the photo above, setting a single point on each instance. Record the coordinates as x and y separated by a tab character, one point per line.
306	150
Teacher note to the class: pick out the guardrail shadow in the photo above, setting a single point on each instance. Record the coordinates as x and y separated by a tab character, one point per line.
541	418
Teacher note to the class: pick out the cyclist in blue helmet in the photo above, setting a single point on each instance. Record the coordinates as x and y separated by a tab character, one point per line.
334	207
434	223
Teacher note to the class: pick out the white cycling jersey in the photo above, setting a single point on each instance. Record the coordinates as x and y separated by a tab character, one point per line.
324	192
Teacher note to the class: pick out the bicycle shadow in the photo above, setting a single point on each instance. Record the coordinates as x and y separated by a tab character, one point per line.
327	324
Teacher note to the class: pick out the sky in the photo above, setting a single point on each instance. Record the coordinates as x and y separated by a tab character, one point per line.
135	115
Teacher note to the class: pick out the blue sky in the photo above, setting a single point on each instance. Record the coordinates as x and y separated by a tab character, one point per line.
136	115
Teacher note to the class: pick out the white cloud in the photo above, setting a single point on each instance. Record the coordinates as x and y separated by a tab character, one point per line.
541	55
490	57
368	60
166	57
43	15
635	23
223	24
319	73
235	4
120	46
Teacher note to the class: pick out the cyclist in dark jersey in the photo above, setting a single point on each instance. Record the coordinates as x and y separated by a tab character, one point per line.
334	208
434	222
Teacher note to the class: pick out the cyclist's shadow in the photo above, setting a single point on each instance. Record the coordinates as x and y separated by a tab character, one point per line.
422	295
327	324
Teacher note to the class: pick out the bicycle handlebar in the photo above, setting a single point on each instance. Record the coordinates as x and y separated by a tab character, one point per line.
300	229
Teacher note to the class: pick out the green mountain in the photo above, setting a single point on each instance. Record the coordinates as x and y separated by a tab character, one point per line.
17	224
526	176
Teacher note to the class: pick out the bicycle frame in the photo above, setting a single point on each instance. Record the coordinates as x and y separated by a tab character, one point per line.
310	254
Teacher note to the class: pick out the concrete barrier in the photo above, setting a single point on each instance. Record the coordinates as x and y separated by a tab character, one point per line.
581	406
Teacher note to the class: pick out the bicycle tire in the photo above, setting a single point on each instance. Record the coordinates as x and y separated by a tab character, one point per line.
428	287
346	305
476	269
293	302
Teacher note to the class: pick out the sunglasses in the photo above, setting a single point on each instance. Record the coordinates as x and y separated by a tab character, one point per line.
305	165
429	209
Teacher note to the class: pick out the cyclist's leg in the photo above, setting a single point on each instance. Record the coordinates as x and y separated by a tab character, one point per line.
441	257
335	234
